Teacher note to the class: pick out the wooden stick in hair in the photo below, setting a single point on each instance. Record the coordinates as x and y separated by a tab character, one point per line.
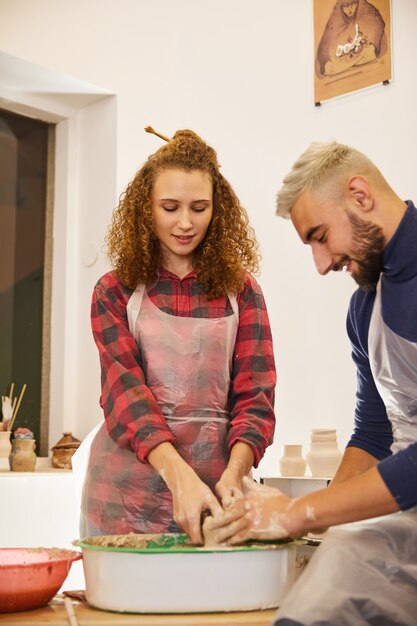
149	129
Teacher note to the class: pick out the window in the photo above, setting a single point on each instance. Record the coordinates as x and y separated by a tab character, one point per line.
25	258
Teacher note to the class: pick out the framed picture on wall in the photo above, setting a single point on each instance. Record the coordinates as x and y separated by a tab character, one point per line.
352	46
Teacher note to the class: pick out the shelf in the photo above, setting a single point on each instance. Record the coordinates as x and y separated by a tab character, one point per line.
307	477
43	467
296	486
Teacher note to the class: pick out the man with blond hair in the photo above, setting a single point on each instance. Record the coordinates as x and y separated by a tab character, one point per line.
364	572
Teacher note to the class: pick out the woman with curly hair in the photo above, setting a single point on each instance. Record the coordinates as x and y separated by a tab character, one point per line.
185	346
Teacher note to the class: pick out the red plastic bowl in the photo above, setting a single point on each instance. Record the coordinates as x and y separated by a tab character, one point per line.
30	577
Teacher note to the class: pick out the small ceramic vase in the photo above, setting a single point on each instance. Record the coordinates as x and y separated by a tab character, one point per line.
5	444
324	456
292	462
23	456
63	451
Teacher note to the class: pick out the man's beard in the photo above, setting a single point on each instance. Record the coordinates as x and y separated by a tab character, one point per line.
368	245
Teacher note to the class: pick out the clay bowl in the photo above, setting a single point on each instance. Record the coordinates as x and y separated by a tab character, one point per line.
30	577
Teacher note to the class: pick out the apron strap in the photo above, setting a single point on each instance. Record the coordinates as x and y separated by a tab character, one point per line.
133	307
135	301
235	306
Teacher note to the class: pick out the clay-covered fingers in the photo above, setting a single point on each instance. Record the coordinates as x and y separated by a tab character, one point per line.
193	523
223	518
213	505
190	498
218	530
229	488
266	515
229	496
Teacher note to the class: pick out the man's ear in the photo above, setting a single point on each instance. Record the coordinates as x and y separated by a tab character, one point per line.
359	194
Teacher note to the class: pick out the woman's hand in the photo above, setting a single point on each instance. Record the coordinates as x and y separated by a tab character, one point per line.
229	488
190	496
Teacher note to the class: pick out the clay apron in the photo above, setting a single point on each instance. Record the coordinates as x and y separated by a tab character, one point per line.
187	364
393	362
365	568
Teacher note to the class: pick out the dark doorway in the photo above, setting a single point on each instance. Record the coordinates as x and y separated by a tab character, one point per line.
24	149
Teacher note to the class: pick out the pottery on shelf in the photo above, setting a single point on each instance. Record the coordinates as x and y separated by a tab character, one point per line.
292	462
324	456
23	455
5	444
63	450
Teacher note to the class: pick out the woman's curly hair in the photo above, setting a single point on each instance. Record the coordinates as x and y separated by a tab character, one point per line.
229	247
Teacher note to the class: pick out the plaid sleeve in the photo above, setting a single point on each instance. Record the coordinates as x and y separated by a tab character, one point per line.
132	415
254	377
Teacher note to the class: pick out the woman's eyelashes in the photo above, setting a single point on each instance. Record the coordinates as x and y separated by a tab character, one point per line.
196	209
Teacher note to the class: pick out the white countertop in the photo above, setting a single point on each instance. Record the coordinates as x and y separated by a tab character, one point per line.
40	509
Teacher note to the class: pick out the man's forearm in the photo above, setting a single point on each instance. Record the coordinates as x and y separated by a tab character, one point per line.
354	462
360	497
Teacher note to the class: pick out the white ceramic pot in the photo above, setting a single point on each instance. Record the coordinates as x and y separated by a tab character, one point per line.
324	456
5	444
292	462
187	580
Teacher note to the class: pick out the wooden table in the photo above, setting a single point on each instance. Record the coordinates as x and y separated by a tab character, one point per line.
54	614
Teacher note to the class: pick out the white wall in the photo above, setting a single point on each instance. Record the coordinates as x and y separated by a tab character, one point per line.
84	199
240	73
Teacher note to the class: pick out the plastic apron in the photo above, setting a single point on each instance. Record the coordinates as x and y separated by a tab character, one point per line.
187	364
366	572
393	362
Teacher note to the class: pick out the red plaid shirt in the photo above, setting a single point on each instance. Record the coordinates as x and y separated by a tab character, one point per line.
133	417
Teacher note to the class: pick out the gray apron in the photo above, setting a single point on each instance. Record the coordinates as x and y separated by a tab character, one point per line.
365	573
393	362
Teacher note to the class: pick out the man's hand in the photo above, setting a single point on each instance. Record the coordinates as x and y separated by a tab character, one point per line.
266	514
263	513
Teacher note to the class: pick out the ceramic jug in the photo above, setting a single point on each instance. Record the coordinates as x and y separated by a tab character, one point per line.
324	456
23	456
292	462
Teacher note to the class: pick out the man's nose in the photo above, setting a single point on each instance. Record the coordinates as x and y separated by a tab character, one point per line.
322	259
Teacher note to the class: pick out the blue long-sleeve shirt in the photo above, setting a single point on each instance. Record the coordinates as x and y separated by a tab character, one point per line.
372	431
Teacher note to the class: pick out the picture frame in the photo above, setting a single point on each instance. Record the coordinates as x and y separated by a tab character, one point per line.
352	46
